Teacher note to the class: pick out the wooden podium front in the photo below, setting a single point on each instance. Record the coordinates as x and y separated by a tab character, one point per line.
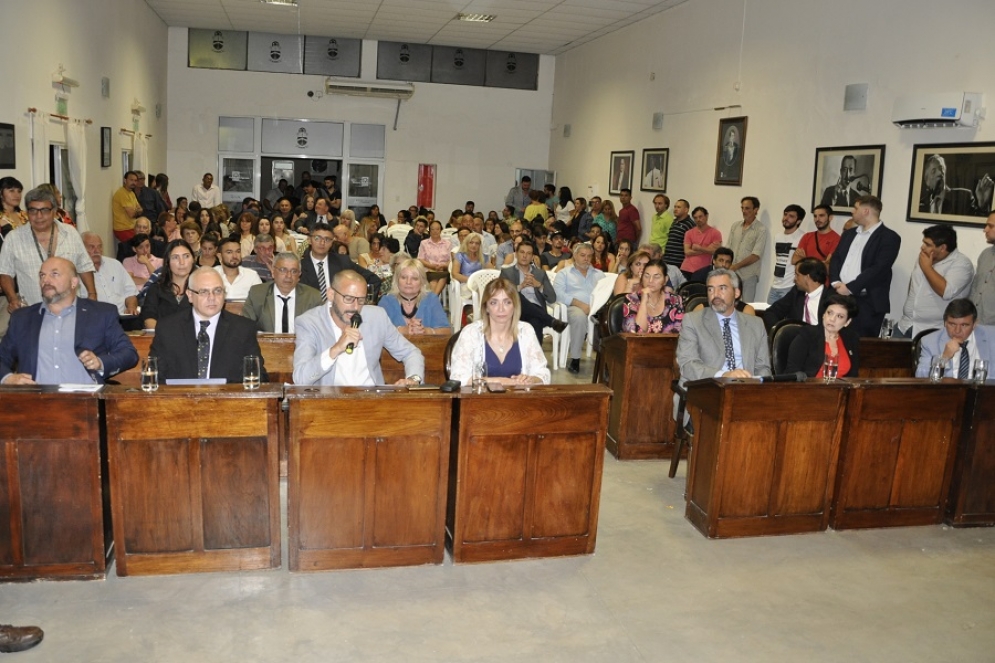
366	482
640	369
972	491
885	358
53	523
525	475
897	453
764	456
194	478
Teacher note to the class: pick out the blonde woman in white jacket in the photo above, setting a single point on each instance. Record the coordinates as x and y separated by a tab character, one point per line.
507	346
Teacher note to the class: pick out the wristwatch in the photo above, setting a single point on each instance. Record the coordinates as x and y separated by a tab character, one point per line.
415	378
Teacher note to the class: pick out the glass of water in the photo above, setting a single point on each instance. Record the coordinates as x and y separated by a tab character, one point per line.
936	367
150	374
830	368
887	328
479	376
980	370
250	372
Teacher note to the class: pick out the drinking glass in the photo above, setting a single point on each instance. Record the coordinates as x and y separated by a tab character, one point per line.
830	368
936	367
479	376
150	374
980	370
887	328
250	372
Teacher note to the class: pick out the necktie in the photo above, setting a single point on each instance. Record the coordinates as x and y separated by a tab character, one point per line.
808	316
965	362
321	280
203	350
727	341
285	325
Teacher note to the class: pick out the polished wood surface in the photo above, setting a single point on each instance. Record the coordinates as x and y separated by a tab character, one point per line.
432	346
897	453
972	490
53	523
367	477
194	478
525	476
639	370
885	358
764	457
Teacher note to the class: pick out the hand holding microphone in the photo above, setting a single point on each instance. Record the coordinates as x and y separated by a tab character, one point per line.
356	321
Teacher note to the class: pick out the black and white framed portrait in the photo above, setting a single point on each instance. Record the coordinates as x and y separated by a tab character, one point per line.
731	151
655	164
843	174
952	183
8	152
620	172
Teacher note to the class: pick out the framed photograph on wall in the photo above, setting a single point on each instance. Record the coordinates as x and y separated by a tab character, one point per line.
105	147
8	149
655	164
731	151
952	183
843	174
620	172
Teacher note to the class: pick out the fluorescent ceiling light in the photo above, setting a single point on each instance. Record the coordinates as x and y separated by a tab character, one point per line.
475	18
281	3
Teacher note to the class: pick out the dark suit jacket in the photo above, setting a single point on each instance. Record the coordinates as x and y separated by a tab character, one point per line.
175	344
808	351
97	330
260	304
874	280
545	292
336	263
792	306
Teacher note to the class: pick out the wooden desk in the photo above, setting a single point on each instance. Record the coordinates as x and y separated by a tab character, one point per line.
194	478
764	457
434	349
367	477
640	369
972	489
525	475
885	358
53	522
897	453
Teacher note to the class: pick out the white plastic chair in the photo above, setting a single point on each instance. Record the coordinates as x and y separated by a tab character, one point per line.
559	312
476	284
599	296
399	232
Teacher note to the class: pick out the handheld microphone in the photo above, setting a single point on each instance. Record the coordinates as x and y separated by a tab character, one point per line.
357	320
798	376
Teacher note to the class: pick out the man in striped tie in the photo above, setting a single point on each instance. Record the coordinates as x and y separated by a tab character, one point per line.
961	343
319	264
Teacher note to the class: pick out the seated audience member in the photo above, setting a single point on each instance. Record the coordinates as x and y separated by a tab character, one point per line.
274	306
278	224
574	286
435	253
468	260
247	232
721	259
142	264
629	280
623	250
169	227
261	260
960	343
236	279
508	347
833	338
114	284
411	306
191	233
602	258
332	351
31	347
535	291
652	310
807	301
169	294
942	274
208	256
415	236
380	260
204	340
319	263
556	253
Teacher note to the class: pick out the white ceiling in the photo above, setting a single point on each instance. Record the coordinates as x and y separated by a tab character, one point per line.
531	26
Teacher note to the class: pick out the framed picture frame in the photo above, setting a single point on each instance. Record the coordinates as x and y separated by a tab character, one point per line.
620	172
843	174
730	151
952	183
8	147
656	162
105	147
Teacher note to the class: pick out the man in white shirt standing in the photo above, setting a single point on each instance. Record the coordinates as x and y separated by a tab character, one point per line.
237	279
785	244
207	192
941	274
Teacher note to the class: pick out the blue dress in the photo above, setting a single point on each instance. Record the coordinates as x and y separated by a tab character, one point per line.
429	311
512	362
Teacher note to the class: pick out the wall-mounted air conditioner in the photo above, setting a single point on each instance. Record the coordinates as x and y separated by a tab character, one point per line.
950	109
378	89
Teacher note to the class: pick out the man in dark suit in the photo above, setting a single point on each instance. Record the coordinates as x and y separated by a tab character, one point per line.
861	265
205	330
534	290
807	300
32	346
319	265
273	315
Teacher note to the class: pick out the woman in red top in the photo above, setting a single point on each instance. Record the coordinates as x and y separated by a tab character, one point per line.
603	258
833	338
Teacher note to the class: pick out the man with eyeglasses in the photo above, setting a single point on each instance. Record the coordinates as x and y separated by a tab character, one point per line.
27	247
274	306
332	350
261	260
319	265
205	341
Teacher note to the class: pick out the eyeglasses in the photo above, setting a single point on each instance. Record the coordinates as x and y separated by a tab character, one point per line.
39	210
287	270
322	239
350	299
207	292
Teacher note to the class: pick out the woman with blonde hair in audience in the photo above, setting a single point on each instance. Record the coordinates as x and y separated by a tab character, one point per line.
607	219
411	306
468	260
281	234
348	219
222	216
500	341
359	243
628	281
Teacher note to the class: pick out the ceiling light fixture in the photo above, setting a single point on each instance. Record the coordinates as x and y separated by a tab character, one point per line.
280	3
475	18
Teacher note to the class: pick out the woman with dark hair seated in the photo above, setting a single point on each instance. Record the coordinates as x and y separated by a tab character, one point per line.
653	310
833	337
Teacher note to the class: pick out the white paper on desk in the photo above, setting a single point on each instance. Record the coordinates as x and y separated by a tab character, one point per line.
69	388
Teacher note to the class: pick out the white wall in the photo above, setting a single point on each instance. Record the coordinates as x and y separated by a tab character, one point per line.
797	57
123	40
477	136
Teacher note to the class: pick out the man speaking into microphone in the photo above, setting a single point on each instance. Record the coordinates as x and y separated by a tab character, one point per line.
340	344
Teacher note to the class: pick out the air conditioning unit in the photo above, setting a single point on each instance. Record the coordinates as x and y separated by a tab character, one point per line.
926	111
377	89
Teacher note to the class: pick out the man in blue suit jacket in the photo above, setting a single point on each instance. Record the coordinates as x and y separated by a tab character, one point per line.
869	278
31	347
961	334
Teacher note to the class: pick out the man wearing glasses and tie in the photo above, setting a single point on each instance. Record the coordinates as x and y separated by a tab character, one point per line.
205	341
340	344
274	306
319	265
